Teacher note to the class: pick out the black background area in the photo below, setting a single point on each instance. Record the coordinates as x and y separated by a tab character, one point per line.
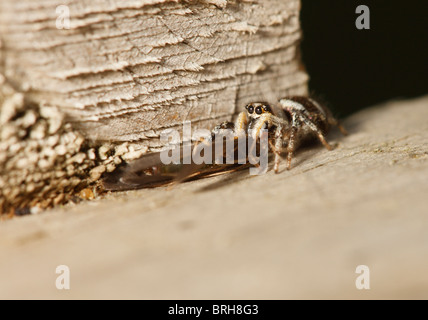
351	69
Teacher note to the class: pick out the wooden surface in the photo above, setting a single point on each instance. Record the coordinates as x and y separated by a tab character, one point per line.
126	70
77	102
298	234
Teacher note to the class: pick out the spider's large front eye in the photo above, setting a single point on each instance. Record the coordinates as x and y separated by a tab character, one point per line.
250	109
259	110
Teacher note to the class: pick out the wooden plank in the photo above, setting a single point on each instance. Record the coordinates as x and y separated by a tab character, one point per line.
299	234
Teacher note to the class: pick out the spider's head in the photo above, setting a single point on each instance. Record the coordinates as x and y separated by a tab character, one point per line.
256	109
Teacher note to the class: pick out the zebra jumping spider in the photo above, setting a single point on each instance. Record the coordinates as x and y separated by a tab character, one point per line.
299	118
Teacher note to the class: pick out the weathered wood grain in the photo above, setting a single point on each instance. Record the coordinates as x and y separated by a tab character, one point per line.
124	71
297	234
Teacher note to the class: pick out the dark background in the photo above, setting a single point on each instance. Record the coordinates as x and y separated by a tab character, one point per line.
352	69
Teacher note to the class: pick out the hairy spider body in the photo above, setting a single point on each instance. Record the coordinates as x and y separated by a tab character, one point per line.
300	118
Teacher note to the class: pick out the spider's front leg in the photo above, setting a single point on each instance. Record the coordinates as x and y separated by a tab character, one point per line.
241	122
261	122
269	121
264	121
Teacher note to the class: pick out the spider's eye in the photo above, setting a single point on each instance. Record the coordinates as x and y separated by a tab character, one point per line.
266	108
250	109
259	110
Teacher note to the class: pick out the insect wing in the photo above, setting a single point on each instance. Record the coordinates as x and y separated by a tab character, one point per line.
146	172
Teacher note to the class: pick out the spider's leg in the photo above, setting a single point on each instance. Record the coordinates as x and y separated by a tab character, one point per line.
291	147
278	147
255	133
334	122
265	119
241	122
270	120
307	121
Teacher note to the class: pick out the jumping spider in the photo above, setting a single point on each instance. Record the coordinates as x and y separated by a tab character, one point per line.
297	119
300	118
